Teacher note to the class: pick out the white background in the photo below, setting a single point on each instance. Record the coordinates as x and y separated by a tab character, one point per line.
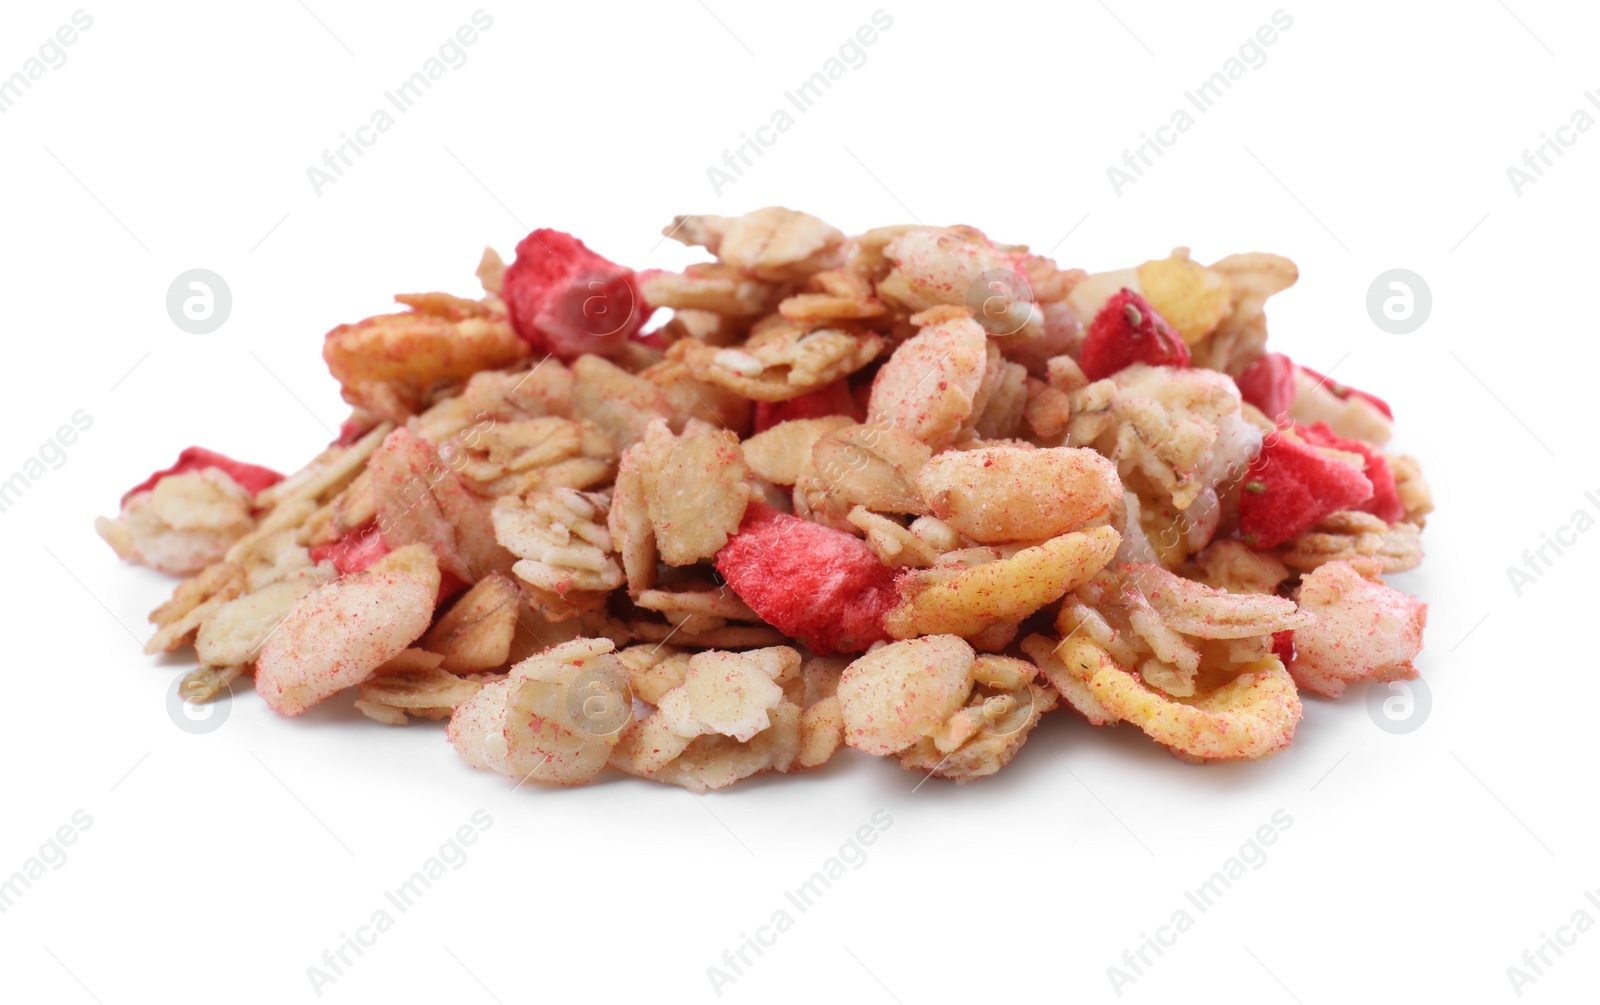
221	866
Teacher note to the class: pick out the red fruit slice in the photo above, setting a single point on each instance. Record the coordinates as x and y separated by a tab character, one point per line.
251	477
1290	487
833	399
1269	385
1345	391
1385	503
1127	331
567	300
355	551
820	585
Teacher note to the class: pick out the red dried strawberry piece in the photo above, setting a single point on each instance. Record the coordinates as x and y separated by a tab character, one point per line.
251	477
820	585
567	300
1385	503
1344	392
833	399
1127	331
1283	647
1290	487
355	551
1269	385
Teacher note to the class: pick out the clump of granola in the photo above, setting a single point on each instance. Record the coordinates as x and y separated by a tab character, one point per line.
905	492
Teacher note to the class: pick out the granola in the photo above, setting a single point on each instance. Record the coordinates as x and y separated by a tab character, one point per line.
906	492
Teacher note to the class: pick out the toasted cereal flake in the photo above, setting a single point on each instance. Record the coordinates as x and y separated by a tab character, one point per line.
204	683
1051	658
868	464
696	495
476	632
618	403
959	266
654	670
339	635
821	733
985	734
1362	631
565	710
233	634
1202	612
897	694
561	538
477	728
421	501
186	522
1253	715
1241	335
1192	297
388	363
1350	535
778	453
953	600
730	693
929	384
1004	493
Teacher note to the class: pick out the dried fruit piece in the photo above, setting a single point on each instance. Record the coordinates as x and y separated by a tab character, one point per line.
1291	486
567	300
830	399
355	551
1127	331
821	586
1269	384
1363	630
1385	502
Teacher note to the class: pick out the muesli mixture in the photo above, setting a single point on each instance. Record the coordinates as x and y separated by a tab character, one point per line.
906	492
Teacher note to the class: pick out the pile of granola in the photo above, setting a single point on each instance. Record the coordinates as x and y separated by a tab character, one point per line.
906	492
